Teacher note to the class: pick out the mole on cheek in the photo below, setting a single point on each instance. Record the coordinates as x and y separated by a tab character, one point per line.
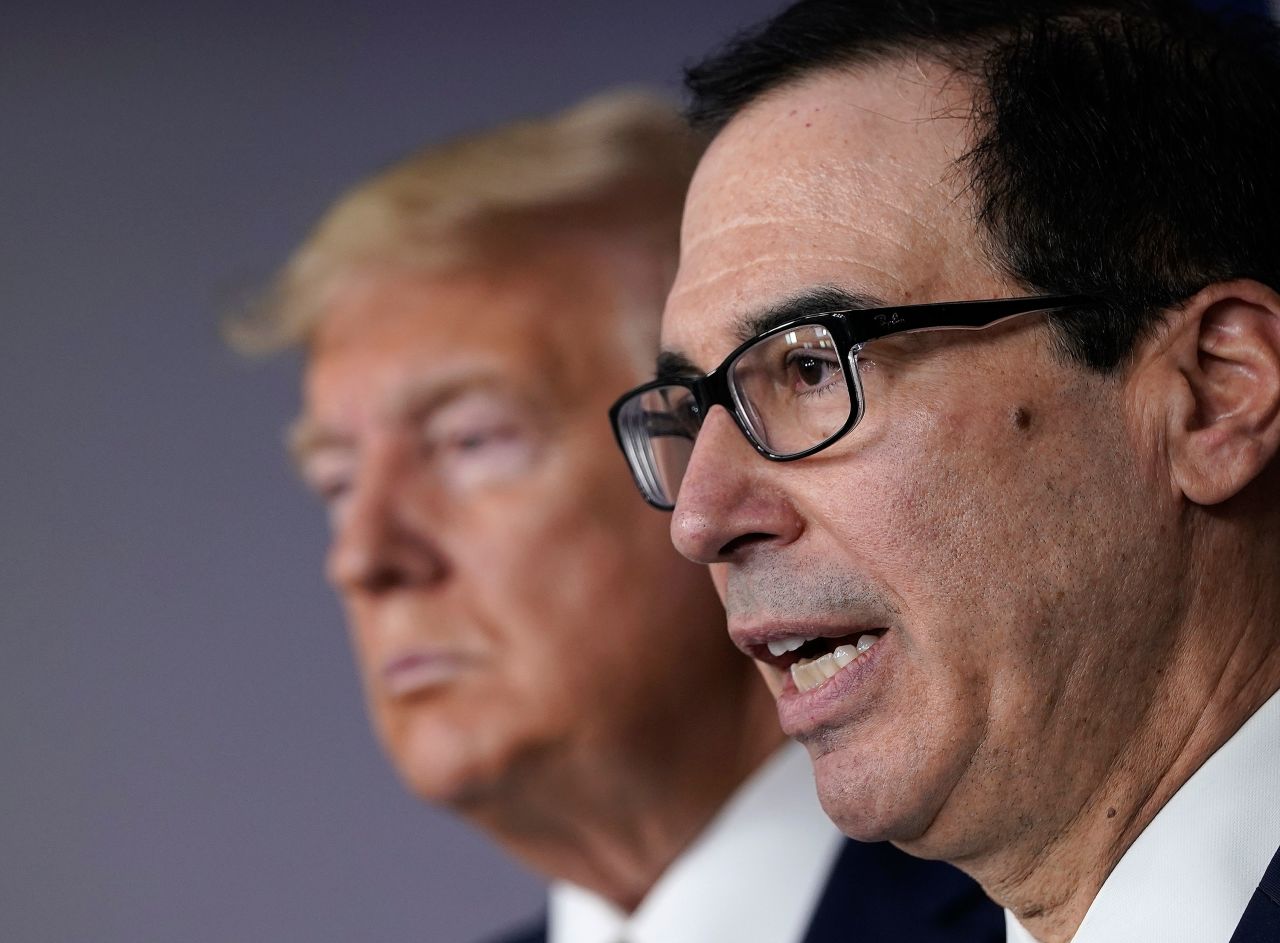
1020	417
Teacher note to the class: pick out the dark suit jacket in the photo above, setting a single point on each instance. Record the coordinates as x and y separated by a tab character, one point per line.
877	894
1261	920
950	905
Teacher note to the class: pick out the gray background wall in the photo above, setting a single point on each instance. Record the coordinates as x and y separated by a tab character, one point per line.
182	748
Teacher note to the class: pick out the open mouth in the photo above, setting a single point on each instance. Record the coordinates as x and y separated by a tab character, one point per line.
812	661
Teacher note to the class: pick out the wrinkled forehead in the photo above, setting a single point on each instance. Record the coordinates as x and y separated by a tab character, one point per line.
846	179
548	326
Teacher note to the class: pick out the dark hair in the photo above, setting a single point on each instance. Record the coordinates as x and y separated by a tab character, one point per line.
1128	150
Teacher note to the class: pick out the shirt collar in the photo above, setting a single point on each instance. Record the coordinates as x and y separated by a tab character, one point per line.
1189	875
755	873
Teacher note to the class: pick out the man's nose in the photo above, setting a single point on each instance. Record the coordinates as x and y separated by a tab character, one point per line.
387	535
725	507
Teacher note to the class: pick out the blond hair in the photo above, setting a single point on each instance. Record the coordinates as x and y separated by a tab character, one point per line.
615	166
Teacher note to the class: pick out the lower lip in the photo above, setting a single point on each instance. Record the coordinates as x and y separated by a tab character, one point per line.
416	674
839	700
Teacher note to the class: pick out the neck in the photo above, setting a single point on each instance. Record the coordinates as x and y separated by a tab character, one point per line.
1225	667
614	828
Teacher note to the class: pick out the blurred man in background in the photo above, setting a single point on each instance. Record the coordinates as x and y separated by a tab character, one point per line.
535	655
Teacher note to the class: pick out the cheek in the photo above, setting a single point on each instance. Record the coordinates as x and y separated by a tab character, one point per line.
916	504
945	509
544	572
720	578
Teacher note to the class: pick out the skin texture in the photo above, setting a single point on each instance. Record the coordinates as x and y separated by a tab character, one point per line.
563	662
1057	658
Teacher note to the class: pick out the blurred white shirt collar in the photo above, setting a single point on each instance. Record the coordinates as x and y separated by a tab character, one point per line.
1190	874
754	875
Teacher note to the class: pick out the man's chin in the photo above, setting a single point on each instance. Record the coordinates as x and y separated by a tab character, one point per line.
441	764
462	790
869	801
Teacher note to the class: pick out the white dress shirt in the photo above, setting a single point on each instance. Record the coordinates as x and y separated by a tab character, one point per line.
1190	874
753	876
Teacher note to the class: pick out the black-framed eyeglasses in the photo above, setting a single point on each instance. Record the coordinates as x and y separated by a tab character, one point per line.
792	390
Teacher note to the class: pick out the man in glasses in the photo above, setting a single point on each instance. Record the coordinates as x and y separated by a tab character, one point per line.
970	397
535	655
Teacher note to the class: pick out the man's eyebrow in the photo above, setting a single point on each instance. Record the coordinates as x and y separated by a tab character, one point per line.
807	304
673	365
305	437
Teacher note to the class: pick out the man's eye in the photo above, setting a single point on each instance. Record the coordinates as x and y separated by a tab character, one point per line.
681	422
333	494
477	439
474	440
332	491
482	455
329	475
807	370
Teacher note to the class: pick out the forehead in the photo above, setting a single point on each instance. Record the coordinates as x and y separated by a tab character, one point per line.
846	179
543	330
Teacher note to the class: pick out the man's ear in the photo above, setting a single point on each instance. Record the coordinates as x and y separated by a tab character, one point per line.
1223	422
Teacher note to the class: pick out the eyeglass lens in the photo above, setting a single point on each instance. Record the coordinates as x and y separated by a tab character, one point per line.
658	428
790	391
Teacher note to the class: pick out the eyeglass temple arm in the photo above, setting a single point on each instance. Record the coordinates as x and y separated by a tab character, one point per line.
955	314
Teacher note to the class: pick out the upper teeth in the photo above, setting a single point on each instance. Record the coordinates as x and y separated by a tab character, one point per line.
808	673
783	645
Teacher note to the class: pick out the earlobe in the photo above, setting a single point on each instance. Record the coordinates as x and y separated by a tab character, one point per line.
1225	428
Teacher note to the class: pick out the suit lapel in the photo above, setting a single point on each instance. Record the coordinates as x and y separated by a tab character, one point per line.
877	894
1261	920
